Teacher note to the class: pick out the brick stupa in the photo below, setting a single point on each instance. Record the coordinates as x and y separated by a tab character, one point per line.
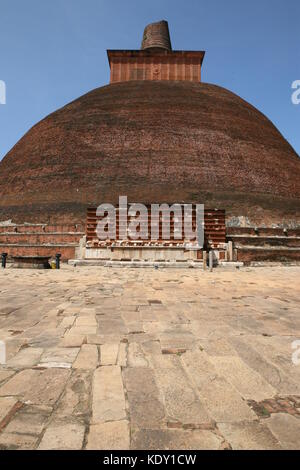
156	133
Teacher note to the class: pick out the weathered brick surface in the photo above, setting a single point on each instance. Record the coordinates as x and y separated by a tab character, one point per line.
67	252
157	35
154	141
40	240
247	255
155	65
276	405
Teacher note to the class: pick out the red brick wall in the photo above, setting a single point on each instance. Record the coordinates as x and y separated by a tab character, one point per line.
155	65
67	252
248	255
40	240
151	68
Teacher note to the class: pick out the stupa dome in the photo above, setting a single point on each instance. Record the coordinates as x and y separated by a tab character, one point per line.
155	134
154	142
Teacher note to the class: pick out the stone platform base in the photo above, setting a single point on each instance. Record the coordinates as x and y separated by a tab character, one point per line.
150	254
274	264
137	264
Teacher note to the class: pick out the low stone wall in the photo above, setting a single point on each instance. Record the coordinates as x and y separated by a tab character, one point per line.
143	254
264	244
40	240
248	255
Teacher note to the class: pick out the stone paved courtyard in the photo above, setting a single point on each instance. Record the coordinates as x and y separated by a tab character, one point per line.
101	358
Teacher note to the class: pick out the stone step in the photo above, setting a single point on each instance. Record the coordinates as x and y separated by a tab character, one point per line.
66	250
248	254
42	228
135	264
39	238
267	241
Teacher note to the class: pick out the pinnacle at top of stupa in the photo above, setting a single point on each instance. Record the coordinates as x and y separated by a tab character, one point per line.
157	35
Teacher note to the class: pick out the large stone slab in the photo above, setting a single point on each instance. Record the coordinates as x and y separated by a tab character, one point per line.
72	340
286	429
109	354
218	347
181	402
75	400
221	400
48	338
5	374
111	326
136	356
68	322
26	358
7	309
248	382
145	405
63	436
19	384
87	357
277	349
12	441
29	420
103	339
89	320
223	403
37	386
113	436
108	401
122	357
284	384
59	356
83	330
168	439
249	436
177	338
8	407
12	347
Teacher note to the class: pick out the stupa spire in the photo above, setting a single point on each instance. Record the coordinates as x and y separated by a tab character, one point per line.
156	60
157	35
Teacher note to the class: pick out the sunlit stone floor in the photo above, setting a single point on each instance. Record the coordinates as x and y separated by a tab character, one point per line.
106	358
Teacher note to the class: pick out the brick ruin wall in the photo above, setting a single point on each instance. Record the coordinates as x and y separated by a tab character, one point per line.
155	68
40	240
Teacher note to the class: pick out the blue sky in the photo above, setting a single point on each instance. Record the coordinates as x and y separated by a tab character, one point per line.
55	51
